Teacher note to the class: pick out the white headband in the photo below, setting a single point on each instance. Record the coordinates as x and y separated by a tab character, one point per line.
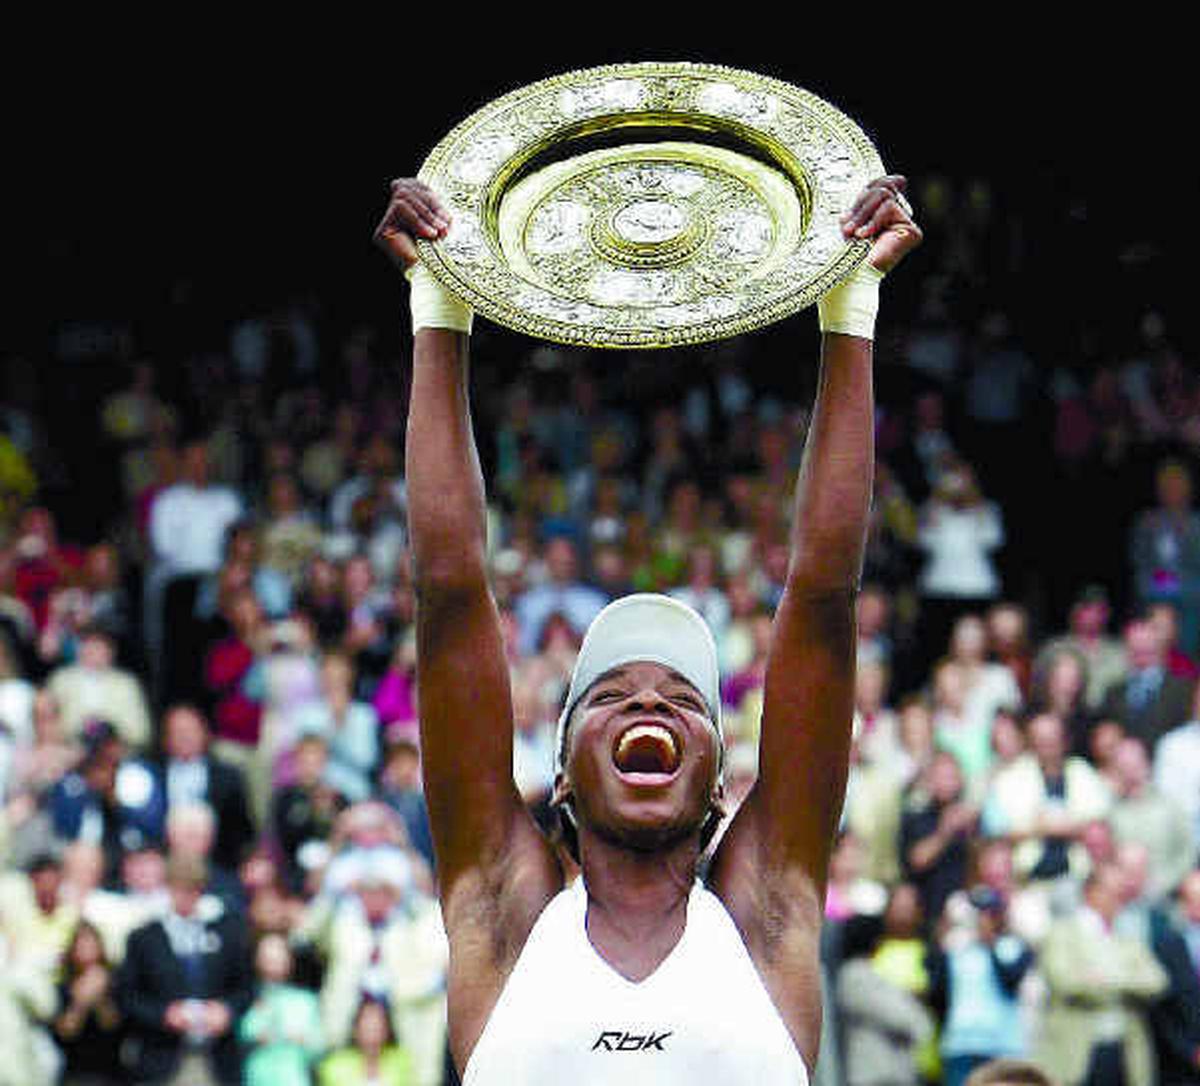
645	627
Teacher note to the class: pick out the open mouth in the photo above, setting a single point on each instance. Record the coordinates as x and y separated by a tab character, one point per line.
648	749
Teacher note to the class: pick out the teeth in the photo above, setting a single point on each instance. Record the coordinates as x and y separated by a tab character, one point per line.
640	733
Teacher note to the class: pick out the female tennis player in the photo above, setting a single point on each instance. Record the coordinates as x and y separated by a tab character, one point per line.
637	972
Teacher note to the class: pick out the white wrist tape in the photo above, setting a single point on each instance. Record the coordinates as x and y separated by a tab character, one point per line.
433	306
851	306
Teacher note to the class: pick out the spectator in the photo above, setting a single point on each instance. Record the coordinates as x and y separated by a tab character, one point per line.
1150	701
16	620
1102	743
109	604
1008	743
959	529
291	537
877	724
1175	1018
350	728
379	478
394	700
1008	642
1155	821
1043	802
871	813
368	833
41	565
930	452
1177	767
367	608
290	682
672	453
373	1058
234	684
935	832
1009	1073
88	1028
386	939
934	345
27	998
282	1028
951	729
736	650
130	414
188	522
185	982
400	788
1103	655
303	813
886	1021
1100	985
191	774
874	613
533	736
18	483
1164	617
601	487
16	695
69	615
751	677
850	893
1189	914
243	567
916	735
1060	687
702	591
144	879
114	912
979	688
1132	861
1001	382
1026	905
325	462
8	757
891	532
562	593
110	799
1165	551
47	932
146	473
95	689
320	597
975	976
192	835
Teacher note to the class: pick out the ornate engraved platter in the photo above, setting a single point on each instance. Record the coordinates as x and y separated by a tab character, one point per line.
647	205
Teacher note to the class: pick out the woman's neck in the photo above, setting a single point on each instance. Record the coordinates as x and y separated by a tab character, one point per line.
637	901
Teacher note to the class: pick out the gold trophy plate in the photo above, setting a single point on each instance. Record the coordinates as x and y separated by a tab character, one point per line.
647	205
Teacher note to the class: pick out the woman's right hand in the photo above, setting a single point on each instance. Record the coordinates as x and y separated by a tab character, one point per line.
414	212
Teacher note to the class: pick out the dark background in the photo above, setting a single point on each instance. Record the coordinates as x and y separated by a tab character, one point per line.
250	163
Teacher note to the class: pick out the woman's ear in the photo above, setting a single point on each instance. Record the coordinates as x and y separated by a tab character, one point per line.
718	798
562	790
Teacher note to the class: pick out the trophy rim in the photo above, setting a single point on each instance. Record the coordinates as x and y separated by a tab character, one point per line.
491	287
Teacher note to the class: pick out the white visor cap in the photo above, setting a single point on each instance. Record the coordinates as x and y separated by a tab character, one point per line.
645	627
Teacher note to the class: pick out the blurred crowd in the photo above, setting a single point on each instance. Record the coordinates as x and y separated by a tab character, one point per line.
217	862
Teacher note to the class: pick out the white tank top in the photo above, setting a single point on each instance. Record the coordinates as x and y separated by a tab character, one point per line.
566	1016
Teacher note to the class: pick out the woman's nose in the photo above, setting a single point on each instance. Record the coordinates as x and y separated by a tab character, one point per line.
645	699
